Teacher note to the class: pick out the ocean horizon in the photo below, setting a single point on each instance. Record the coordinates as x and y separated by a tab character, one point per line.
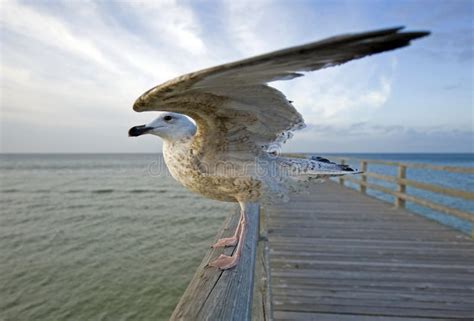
100	237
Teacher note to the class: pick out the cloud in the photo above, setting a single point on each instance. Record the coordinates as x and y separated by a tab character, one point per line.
87	59
343	94
172	22
71	70
84	68
25	21
453	86
369	137
247	35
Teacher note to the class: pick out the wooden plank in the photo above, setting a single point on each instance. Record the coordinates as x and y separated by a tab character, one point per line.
459	242
375	225
370	252
379	258
386	286
223	295
380	264
426	298
408	227
355	258
349	274
355	233
372	307
311	316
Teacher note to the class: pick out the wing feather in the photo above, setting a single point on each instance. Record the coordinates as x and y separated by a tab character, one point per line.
232	103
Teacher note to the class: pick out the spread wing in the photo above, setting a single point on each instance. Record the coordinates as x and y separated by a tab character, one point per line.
235	109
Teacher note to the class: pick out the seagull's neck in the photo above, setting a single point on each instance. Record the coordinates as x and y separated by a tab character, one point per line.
177	154
177	145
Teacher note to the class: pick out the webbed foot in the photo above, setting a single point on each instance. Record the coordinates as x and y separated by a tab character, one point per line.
228	241
225	262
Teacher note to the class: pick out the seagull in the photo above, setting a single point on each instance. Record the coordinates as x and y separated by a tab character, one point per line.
222	127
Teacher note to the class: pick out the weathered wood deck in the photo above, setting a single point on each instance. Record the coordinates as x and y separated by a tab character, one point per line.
339	255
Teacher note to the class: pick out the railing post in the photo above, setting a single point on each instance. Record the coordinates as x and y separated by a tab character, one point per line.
401	188
363	168
341	178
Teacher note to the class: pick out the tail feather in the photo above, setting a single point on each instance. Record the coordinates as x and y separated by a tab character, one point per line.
344	167
314	167
297	174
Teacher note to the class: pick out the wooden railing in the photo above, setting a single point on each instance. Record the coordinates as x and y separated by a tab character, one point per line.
401	182
238	294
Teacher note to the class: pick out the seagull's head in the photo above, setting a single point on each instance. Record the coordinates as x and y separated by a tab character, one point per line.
169	126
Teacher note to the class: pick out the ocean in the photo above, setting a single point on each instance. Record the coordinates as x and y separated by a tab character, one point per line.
114	237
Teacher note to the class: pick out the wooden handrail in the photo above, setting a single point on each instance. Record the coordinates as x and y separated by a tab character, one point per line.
401	181
227	295
435	206
428	187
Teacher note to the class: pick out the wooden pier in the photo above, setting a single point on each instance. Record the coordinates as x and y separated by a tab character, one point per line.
339	255
335	254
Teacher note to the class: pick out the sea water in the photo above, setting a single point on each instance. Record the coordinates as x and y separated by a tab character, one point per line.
98	237
114	237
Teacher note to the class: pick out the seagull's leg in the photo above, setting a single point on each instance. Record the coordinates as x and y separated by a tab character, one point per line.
225	262
234	239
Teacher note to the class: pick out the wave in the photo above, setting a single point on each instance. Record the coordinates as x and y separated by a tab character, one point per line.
139	191
95	191
14	190
73	191
103	191
181	196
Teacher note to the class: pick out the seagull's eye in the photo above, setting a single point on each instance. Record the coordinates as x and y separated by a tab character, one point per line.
167	118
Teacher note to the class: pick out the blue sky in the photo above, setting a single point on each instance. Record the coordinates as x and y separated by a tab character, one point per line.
70	70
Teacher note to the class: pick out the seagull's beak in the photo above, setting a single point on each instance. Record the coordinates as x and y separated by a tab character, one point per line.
139	130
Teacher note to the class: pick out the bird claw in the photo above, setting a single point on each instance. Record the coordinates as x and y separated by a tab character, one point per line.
224	262
228	241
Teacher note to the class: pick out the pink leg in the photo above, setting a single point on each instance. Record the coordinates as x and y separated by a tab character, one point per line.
234	239
225	262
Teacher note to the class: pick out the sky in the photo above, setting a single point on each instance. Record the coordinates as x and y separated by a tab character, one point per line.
71	70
